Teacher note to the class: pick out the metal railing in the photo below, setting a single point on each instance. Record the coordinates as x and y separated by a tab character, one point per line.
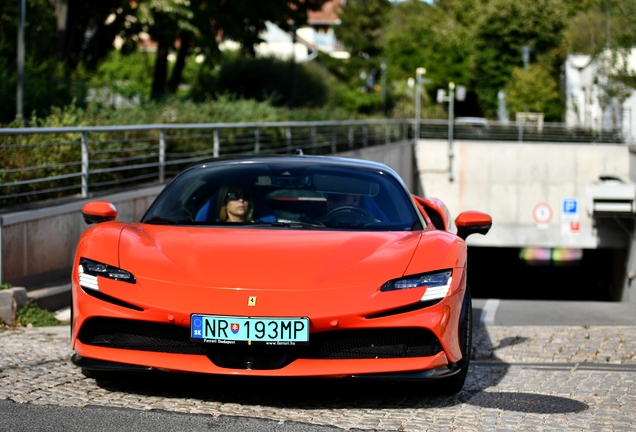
521	132
41	163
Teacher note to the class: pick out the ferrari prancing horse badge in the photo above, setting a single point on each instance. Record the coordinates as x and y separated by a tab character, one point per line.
251	301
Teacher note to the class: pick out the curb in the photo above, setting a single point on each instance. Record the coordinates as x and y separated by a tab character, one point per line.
11	301
52	298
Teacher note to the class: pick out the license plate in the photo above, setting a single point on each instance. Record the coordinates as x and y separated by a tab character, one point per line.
249	330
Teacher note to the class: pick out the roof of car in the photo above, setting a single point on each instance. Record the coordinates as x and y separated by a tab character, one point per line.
323	160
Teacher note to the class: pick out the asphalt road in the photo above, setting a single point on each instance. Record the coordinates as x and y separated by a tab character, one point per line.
28	417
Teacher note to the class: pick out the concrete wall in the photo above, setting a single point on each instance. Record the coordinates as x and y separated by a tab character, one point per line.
509	179
398	156
37	246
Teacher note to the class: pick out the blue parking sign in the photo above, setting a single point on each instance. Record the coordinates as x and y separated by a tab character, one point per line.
570	206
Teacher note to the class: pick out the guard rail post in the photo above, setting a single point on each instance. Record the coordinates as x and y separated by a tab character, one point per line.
84	192
288	140
257	140
365	136
162	155
216	144
333	139
313	140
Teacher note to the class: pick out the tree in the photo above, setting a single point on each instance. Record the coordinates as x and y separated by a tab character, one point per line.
85	30
362	27
201	23
362	33
533	91
503	28
434	36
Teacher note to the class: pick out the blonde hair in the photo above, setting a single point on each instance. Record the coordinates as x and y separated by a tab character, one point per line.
221	202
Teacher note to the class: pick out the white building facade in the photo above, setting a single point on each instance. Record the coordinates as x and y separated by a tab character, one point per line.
596	101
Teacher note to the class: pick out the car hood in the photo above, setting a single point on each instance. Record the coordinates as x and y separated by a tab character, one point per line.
265	258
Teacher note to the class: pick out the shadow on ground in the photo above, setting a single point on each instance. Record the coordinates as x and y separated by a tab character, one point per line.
345	393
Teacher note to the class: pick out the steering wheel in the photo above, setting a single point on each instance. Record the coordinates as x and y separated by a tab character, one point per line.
349	208
349	211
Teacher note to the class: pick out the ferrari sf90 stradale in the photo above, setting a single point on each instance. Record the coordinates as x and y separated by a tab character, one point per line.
299	266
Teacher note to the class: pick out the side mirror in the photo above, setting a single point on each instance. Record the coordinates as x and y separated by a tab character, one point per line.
472	222
98	211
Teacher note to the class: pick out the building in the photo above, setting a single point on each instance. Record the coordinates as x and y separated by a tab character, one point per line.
317	36
597	101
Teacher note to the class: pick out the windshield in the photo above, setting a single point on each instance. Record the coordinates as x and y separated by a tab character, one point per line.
285	195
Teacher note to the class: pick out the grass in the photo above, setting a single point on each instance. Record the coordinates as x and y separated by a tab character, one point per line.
5	286
36	316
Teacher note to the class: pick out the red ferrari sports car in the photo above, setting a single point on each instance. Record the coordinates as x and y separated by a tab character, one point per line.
298	266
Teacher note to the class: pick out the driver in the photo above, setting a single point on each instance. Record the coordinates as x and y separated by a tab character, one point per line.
338	200
234	204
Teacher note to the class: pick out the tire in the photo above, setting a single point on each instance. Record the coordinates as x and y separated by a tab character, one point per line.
453	384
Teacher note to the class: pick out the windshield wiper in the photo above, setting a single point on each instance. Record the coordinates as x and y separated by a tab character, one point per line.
297	225
158	220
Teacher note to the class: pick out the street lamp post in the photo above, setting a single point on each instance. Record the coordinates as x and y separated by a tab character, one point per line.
450	98
20	84
292	95
383	77
419	72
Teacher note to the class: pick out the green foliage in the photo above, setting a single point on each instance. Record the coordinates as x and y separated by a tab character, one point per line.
272	79
359	101
503	28
362	26
5	286
127	75
362	33
37	317
534	91
434	36
45	84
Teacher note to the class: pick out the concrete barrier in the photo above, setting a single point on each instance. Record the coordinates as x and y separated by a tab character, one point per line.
37	246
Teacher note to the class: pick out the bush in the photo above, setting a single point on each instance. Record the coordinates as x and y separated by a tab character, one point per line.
45	85
271	79
37	317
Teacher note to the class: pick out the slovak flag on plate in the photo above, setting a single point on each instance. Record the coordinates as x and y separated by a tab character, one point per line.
235	328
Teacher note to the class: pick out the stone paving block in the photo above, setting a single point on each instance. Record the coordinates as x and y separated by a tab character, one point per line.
34	368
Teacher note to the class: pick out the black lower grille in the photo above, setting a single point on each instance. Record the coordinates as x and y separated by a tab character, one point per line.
376	343
138	335
343	344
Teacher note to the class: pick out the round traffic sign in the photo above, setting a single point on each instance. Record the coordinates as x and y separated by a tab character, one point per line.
542	213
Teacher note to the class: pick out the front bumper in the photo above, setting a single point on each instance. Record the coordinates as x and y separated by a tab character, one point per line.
420	368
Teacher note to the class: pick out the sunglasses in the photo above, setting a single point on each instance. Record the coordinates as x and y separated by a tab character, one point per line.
235	196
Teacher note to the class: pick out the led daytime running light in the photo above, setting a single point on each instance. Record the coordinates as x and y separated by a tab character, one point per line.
437	284
89	270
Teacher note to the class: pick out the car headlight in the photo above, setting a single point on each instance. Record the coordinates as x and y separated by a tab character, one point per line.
89	270
437	283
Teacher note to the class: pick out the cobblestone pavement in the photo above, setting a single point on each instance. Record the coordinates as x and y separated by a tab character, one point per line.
522	378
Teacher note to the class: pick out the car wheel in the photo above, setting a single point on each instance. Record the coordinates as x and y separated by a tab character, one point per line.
454	384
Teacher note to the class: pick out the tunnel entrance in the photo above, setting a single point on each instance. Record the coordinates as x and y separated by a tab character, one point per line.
501	273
